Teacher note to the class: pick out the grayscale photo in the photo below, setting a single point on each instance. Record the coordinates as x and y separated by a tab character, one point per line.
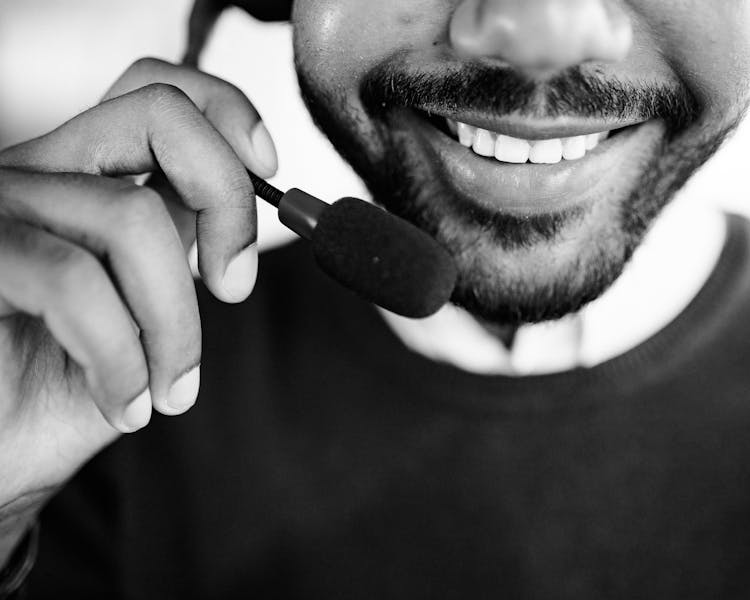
375	299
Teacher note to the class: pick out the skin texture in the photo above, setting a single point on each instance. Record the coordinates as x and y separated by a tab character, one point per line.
99	320
517	264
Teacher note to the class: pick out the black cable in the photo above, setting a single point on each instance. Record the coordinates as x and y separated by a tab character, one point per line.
265	190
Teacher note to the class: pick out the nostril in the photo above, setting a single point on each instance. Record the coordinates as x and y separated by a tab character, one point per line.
546	34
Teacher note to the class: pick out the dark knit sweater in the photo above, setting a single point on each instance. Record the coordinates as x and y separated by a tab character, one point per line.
325	460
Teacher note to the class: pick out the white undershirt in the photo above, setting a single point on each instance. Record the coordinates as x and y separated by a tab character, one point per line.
664	275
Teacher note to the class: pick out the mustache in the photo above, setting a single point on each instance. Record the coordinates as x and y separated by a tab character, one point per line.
503	91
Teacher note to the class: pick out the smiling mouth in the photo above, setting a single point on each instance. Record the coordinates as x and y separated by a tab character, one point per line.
509	149
528	166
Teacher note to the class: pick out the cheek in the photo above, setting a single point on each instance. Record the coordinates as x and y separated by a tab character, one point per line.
707	44
343	40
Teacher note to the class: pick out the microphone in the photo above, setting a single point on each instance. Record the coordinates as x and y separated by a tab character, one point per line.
383	258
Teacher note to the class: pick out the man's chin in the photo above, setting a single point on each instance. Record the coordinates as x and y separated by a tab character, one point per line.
561	262
570	263
514	266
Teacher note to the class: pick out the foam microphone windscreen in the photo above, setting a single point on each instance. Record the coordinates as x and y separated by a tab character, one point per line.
383	258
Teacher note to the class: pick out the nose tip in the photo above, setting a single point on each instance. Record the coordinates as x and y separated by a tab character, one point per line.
542	34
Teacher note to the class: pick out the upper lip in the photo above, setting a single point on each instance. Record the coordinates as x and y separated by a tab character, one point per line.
535	128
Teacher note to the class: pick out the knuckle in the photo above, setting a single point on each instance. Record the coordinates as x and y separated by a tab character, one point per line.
100	156
164	95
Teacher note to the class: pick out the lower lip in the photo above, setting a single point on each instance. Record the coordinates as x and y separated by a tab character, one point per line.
528	189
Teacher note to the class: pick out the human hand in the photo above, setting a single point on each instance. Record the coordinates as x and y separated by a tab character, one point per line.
98	314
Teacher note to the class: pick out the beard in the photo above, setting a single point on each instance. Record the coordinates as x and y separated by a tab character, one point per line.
514	269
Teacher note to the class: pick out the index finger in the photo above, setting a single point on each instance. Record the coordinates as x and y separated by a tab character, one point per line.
225	106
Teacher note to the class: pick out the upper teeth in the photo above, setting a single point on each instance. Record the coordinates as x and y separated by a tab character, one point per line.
514	150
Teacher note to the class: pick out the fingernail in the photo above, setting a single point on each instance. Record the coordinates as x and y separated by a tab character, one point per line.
193	260
184	391
137	414
240	275
264	150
